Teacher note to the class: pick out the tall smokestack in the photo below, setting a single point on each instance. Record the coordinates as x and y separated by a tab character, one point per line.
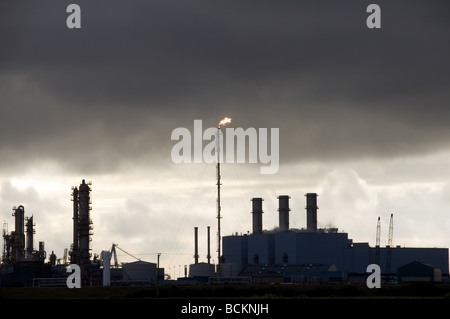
209	246
196	245
257	215
311	211
283	209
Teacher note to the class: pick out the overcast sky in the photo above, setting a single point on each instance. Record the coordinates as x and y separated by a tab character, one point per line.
362	113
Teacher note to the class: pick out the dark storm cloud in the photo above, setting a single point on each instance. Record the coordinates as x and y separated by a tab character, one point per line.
115	89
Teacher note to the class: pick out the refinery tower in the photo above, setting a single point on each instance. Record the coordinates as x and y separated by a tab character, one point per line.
82	230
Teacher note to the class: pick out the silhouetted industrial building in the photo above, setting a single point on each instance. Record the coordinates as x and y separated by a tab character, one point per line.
284	254
20	261
418	272
291	251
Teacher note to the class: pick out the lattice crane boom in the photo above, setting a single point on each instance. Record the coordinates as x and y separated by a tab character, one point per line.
114	253
391	230
378	232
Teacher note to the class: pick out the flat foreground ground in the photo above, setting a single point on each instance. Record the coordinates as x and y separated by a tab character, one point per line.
434	291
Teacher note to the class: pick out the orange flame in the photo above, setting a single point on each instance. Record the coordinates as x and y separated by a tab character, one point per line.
225	121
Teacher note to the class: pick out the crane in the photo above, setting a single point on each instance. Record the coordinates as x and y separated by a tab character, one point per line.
377	245
113	252
378	232
391	230
389	246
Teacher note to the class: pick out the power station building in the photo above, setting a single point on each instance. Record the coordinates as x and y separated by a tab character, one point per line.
288	253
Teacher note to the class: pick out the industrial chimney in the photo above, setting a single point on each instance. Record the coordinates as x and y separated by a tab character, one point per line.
208	256
283	212
257	215
196	245
311	212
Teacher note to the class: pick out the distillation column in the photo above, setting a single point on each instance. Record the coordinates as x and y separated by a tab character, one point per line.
30	239
18	235
84	230
75	250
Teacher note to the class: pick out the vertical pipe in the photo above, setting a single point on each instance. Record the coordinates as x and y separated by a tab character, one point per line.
208	256
41	252
157	277
196	245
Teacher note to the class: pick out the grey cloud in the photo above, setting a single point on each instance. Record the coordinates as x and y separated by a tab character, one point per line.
113	91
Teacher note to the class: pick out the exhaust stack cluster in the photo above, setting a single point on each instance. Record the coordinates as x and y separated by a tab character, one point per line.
283	213
196	255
